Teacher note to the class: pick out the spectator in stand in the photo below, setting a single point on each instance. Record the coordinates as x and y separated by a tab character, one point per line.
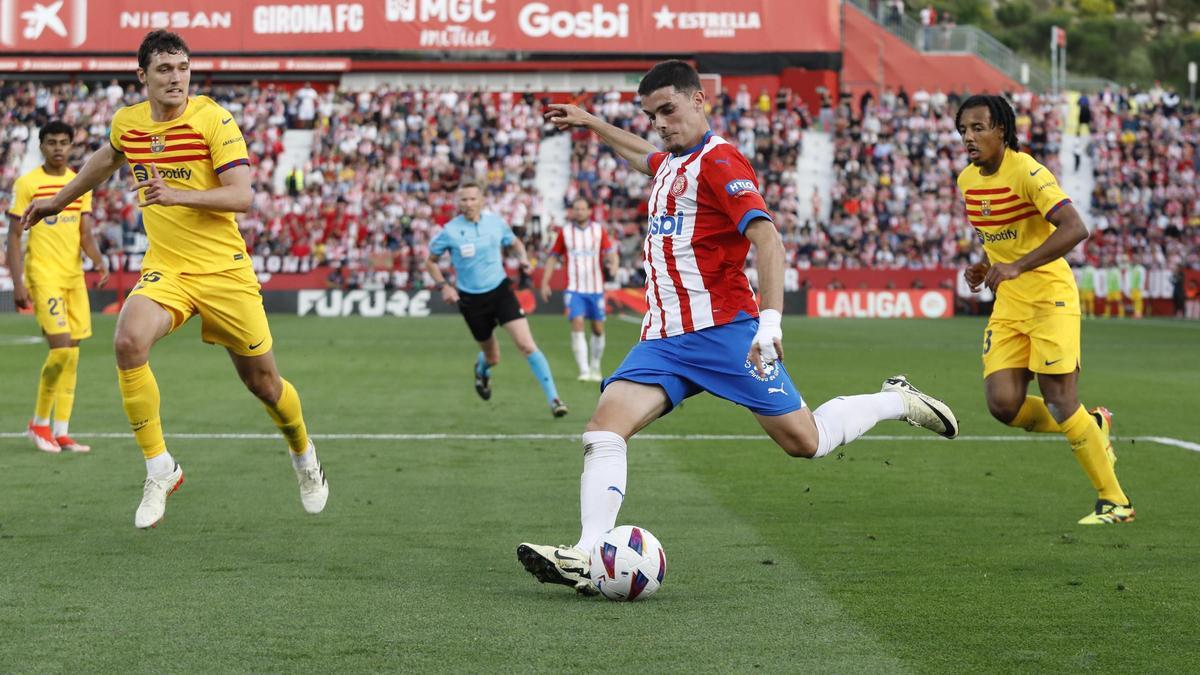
929	19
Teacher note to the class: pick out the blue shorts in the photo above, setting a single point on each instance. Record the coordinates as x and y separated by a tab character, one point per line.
712	360
588	305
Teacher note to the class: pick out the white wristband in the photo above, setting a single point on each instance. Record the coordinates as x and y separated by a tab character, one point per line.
770	318
769	331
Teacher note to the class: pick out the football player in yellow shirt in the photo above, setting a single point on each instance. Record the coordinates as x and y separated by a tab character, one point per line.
1027	224
50	279
192	170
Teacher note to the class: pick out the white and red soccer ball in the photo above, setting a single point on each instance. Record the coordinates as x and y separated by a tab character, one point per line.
628	563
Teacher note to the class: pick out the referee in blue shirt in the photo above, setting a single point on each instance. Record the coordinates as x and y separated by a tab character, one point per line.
483	291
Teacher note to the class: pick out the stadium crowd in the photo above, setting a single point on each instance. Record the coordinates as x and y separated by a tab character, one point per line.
1145	152
383	165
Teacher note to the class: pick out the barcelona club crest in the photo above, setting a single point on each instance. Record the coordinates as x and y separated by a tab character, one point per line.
985	206
157	144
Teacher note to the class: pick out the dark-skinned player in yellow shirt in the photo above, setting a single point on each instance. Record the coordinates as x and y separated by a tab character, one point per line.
1027	224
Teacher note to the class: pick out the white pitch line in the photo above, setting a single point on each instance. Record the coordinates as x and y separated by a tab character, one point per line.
1041	438
1186	445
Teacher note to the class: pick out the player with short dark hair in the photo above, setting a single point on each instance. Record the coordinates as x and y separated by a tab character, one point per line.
190	162
704	330
583	245
50	280
1027	224
483	292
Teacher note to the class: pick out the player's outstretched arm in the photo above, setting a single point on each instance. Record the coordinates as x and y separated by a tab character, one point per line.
768	341
631	147
1070	231
95	171
235	193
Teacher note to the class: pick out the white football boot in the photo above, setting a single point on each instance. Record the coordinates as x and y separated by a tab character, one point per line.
566	565
921	409
314	489
154	498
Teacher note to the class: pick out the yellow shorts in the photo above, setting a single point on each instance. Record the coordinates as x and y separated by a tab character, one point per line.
229	303
1044	344
63	308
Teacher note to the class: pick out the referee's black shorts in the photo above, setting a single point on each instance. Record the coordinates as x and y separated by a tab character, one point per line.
485	311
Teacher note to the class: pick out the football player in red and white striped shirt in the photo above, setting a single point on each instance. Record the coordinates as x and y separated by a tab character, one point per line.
704	331
583	242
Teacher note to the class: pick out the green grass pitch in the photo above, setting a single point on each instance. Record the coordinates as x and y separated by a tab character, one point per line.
910	555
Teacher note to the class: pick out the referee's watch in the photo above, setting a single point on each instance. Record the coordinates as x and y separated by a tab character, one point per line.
439	285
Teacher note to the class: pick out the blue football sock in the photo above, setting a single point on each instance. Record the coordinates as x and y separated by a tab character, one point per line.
481	366
541	370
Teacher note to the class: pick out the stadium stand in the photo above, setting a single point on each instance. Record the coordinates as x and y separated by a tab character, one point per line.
379	177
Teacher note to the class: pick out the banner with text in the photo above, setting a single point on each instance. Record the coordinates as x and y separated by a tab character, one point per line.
881	304
569	26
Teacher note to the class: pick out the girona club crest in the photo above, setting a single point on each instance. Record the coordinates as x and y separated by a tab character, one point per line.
157	144
680	185
985	207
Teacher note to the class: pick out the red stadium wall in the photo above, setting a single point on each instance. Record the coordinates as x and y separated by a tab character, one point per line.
873	57
803	83
807	83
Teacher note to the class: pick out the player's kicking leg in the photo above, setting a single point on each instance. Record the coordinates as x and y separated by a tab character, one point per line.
261	377
141	323
624	408
841	420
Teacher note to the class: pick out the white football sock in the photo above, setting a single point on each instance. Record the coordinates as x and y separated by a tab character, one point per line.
45	421
602	485
160	466
309	457
60	427
579	348
845	418
597	350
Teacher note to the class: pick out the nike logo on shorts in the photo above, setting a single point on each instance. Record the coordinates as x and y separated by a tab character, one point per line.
1050	363
258	344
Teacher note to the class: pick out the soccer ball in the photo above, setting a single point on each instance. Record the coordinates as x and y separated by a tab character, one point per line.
628	563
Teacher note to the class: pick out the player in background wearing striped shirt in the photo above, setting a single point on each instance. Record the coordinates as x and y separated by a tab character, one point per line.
583	244
1027	224
50	279
704	330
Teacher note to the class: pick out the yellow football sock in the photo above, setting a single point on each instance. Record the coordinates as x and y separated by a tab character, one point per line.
64	402
139	395
290	419
52	371
1087	442
1035	416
